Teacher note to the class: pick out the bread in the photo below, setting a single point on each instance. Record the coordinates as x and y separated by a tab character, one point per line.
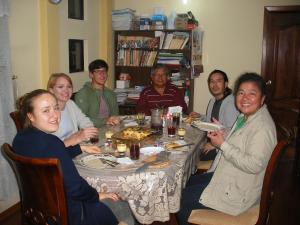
171	145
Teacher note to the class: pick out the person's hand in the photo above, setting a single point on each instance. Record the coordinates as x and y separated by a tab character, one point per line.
194	115
207	148
91	149
113	120
216	138
86	133
80	136
110	195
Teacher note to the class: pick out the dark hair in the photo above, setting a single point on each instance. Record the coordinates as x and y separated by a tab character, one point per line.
97	64
160	66
227	90
251	77
220	72
25	106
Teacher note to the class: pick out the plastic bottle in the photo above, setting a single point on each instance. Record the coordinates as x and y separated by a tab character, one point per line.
187	96
171	20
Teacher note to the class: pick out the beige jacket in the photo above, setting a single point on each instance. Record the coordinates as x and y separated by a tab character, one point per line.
237	181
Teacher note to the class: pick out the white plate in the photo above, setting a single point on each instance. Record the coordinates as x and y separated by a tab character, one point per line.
94	161
207	126
151	150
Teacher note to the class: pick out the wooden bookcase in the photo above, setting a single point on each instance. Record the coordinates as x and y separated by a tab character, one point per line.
131	48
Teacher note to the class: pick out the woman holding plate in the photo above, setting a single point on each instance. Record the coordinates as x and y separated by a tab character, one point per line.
236	181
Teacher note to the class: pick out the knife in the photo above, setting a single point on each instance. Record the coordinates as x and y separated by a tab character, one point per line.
180	146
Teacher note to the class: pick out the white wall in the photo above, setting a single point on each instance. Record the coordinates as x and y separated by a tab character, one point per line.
24	42
88	30
233	32
26	46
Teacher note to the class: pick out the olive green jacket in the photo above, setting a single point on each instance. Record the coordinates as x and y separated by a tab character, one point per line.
88	100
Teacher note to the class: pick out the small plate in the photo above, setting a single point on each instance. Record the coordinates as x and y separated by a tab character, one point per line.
207	126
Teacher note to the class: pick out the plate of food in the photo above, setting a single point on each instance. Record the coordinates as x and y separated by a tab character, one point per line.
133	133
205	126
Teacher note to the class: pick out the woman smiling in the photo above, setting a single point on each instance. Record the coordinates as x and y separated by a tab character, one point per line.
239	167
75	127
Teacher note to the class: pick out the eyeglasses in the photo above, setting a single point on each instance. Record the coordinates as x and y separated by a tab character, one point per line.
100	71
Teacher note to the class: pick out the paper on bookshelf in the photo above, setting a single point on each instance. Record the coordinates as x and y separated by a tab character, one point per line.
168	40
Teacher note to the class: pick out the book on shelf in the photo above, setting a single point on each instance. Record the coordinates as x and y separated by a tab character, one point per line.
167	41
176	40
137	42
161	36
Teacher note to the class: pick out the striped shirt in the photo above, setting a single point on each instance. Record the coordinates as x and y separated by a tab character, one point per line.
150	99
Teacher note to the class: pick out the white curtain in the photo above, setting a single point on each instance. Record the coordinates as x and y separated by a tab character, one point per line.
8	186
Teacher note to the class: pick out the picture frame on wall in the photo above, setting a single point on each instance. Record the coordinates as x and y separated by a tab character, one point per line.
76	55
76	9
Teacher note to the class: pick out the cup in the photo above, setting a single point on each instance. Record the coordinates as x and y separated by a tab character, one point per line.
157	119
140	118
181	132
121	148
171	127
135	151
94	140
108	134
176	119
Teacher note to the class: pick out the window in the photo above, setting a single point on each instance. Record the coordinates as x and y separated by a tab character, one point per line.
76	58
75	9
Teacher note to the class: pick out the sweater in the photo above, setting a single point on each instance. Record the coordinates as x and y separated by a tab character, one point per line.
88	99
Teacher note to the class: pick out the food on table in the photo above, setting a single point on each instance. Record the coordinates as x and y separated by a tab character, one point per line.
171	145
135	133
188	120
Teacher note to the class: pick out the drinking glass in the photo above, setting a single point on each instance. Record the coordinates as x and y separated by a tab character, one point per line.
135	150
176	119
171	127
94	139
181	133
121	148
140	118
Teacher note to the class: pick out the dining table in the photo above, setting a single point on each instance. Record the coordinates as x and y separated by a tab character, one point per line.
153	192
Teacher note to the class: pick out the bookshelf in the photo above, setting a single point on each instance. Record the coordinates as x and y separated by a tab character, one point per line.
136	51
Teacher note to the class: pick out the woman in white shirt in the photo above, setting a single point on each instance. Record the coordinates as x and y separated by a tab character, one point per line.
75	127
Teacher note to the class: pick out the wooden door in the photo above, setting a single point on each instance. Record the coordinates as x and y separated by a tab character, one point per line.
281	68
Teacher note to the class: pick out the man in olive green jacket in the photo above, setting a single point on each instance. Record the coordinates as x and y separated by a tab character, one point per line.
98	102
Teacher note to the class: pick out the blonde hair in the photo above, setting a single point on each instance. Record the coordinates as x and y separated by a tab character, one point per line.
53	78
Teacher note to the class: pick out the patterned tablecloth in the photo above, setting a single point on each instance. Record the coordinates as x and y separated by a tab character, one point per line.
152	193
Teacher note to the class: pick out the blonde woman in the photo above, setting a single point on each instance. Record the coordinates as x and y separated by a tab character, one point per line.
74	127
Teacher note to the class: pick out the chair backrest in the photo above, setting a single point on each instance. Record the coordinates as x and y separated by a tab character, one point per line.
41	188
269	182
16	118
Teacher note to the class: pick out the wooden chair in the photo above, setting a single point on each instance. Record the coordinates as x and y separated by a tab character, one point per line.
203	166
256	215
41	188
16	118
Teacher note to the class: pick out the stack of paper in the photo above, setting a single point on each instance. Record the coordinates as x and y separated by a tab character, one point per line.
122	19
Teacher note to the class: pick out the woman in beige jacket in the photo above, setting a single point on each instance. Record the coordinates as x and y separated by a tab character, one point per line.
235	185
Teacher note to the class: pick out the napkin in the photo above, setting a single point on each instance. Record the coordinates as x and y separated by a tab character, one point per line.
175	109
151	150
